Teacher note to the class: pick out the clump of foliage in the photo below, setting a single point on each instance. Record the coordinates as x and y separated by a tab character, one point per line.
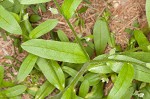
68	66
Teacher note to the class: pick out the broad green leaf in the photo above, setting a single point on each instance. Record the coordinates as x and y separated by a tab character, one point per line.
84	88
146	91
101	35
16	97
15	91
115	66
69	7
99	68
148	11
128	93
141	39
60	51
143	56
62	36
26	67
1	74
53	72
44	90
43	28
27	2
8	22
122	83
69	94
96	92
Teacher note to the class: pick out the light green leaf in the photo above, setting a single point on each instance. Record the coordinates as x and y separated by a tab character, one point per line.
128	93
44	90
62	36
141	40
101	35
99	68
148	11
84	88
122	83
26	67
146	91
1	74
15	91
43	28
69	7
60	51
8	22
53	72
69	94
27	2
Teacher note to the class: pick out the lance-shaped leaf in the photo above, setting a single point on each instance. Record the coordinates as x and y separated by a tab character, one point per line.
27	2
128	93
15	91
60	51
53	72
146	92
1	74
44	90
69	94
148	11
26	67
122	83
101	35
62	36
69	7
141	39
43	28
84	88
8	22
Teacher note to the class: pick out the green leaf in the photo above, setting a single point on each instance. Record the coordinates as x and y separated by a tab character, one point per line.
84	88
8	22
43	28
60	51
35	18
69	7
15	91
146	91
62	36
141	39
53	72
26	67
128	93
101	35
1	74
69	94
44	90
148	11
122	83
27	2
99	68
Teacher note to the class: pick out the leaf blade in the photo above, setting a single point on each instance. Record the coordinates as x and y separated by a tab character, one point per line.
148	11
33	1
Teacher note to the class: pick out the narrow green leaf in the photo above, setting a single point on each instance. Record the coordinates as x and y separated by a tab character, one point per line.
15	91
53	72
26	67
16	97
99	68
62	36
43	28
8	22
148	11
84	88
60	51
141	39
69	94
44	90
69	7
128	93
1	74
27	2
101	35
122	83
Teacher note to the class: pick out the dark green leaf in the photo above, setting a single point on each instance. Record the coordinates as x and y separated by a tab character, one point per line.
8	22
101	35
26	67
43	28
15	91
35	18
69	7
53	72
84	88
122	83
148	11
33	1
60	51
146	91
44	90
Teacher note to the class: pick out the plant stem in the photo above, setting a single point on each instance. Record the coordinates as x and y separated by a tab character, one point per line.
72	29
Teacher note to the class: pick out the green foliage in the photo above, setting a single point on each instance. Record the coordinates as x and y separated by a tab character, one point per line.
148	11
27	2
